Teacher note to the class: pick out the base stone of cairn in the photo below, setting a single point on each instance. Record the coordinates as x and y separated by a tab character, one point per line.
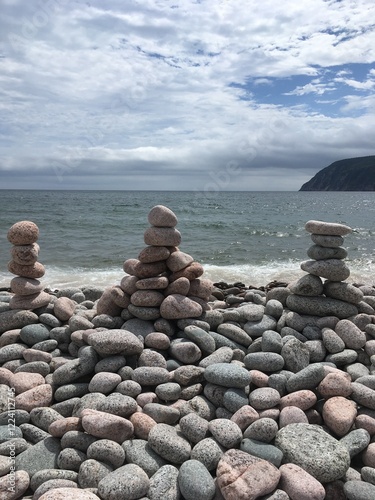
27	288
163	283
332	297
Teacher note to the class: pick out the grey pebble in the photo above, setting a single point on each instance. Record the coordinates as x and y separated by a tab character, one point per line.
208	451
71	391
169	391
296	355
271	341
307	378
234	399
110	364
42	455
32	433
44	475
170	445
52	484
139	452
8	432
368	474
129	388
118	404
78	440
264	361
227	375
235	333
43	417
126	482
359	490
194	427
356	441
203	486
164	484
262	450
162	413
18	446
108	451
222	355
91	471
256	328
200	337
226	432
345	357
263	429
71	459
31	334
18	417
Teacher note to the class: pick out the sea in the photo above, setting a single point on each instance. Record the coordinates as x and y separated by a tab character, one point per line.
250	237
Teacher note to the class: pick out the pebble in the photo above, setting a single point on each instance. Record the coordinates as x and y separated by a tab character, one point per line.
203	486
262	450
263	429
327	228
227	375
14	485
106	426
164	484
226	432
171	446
66	494
339	415
125	483
240	475
139	452
299	484
42	455
311	448
115	342
177	306
44	475
320	306
264	361
53	484
359	490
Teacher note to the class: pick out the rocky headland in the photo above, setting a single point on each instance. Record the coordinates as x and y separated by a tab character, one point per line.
168	386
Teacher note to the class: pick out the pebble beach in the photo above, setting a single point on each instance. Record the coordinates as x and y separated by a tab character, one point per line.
167	386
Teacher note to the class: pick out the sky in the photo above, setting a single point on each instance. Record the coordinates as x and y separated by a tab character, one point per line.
211	95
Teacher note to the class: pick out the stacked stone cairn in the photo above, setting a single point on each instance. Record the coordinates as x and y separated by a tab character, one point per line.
163	283
323	291
27	288
168	388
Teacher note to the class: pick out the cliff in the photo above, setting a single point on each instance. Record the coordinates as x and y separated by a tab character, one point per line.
352	174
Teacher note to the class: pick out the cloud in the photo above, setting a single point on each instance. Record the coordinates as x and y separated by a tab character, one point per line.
176	92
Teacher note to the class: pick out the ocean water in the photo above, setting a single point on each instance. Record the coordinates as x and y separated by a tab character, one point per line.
252	237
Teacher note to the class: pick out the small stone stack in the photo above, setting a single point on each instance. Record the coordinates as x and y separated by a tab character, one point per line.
27	289
333	297
163	282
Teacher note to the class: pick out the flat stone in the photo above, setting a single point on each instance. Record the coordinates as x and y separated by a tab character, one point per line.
203	486
162	236
240	475
147	298
178	307
298	483
32	334
63	308
53	484
327	228
356	441
23	233
303	399
343	291
200	337
164	484
191	272
25	286
235	333
153	254
181	286
162	413
307	378
321	306
257	328
136	268
14	319
331	269
107	451
227	375
110	342
311	448
327	241
33	271
178	260
308	285
42	455
149	375
125	483
169	444
318	252
25	254
104	382
264	429
264	398
144	313
44	475
157	283
76	368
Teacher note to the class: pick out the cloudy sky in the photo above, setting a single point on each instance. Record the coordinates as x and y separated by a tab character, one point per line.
183	94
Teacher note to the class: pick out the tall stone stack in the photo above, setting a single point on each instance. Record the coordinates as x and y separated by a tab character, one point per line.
27	288
332	297
163	282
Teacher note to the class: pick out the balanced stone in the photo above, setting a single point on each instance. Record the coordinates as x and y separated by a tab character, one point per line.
343	291
327	228
162	236
162	216
23	233
178	306
321	306
25	255
178	260
309	285
153	254
30	302
331	269
318	252
33	271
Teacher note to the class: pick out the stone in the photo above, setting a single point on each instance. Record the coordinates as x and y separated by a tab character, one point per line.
311	448
226	432
307	378
14	485
53	484
169	444
194	427
332	342
162	216
339	414
363	395
331	269
107	451
162	236
23	381
308	285
263	429
181	286
350	334
191	272
327	228
23	233
31	334
299	484
262	450
71	459
111	342
66	494
10	320
40	395
203	486
292	415
296	355
153	254
257	328
104	382
264	398
106	426
264	361
303	399
327	241
234	333
63	308
359	490
25	286
125	483
162	413
44	475
142	424
178	306
227	375
321	306
149	375
42	455
318	252
356	441
164	484
139	452
240	476
343	291
33	271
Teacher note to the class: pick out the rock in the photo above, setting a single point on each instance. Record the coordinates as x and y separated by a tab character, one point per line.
343	291
264	361
53	484
164	484
264	398
169	444
240	475
14	485
108	451
308	285
226	432
350	334
106	426
23	233
45	475
162	237
299	484
321	306
339	415
331	269
63	308
327	228
161	216
125	483
264	429
66	494
154	254
34	271
262	450
359	490
32	398
25	286
311	448
318	252
42	455
203	486
111	342
10	320
178	306
139	452
227	375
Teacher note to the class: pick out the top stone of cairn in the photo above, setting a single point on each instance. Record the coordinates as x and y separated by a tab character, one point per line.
327	228
161	216
24	232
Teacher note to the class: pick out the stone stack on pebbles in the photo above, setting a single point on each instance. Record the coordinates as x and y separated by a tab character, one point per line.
332	297
27	288
163	283
248	400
